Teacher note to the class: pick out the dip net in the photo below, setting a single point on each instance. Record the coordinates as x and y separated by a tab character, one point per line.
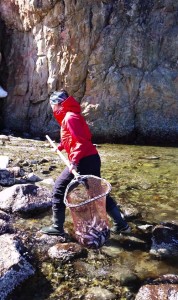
86	198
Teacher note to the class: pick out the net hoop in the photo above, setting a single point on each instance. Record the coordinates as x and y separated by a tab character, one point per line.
79	179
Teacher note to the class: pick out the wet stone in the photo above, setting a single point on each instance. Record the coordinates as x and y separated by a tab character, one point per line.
45	241
145	228
25	198
7	178
165	241
129	241
17	171
31	177
67	251
4	227
158	292
4	215
130	212
111	249
43	160
86	269
14	267
167	278
98	293
129	280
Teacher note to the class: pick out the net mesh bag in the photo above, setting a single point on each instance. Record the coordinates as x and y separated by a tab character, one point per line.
86	198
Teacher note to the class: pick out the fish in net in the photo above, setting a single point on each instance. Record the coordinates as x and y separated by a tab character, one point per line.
86	197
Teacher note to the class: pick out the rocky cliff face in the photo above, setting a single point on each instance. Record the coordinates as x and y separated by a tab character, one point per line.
118	58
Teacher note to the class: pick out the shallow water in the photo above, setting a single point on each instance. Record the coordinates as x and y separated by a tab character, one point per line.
144	176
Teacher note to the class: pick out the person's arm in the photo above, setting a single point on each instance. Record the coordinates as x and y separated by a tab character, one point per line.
60	147
80	135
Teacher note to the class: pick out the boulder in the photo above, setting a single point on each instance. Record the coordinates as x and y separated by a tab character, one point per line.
165	241
67	251
14	266
163	288
25	198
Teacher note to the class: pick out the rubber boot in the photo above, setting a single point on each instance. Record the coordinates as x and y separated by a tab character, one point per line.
58	218
120	225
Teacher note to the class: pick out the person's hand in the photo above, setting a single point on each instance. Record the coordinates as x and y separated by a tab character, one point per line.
72	167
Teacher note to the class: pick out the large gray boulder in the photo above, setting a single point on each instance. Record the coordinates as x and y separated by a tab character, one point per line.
25	198
14	267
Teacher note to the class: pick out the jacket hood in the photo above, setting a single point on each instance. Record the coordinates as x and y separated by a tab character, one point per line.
70	104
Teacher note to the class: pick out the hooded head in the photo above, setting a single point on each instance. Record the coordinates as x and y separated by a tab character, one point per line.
61	103
58	97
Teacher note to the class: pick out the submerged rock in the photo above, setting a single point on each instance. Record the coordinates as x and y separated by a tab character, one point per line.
14	267
165	241
130	212
98	293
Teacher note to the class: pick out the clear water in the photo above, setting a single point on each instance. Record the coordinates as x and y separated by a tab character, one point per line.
144	176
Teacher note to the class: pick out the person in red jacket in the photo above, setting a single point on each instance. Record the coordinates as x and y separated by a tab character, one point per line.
83	157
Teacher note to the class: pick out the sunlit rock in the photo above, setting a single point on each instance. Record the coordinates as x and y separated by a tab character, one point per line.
163	288
48	181
4	160
14	267
25	198
66	251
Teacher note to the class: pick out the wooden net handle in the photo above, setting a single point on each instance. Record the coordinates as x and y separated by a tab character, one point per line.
67	163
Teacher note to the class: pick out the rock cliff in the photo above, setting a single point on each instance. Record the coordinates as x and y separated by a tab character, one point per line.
118	58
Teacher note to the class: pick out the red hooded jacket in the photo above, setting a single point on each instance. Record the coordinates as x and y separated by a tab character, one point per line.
75	133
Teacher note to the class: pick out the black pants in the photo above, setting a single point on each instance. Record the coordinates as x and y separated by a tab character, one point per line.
89	165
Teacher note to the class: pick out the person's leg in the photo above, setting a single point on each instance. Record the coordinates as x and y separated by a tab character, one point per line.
91	166
120	224
58	206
